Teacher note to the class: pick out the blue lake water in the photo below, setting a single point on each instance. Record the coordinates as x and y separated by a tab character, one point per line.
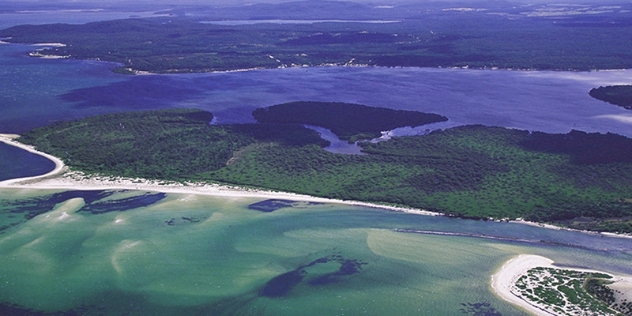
35	92
18	163
147	254
30	88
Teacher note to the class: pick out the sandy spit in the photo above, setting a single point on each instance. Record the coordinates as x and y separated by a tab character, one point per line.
509	273
517	266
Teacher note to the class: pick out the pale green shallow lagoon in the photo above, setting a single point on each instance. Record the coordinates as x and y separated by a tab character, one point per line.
202	255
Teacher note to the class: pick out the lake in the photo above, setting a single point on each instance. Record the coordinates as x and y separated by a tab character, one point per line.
143	253
546	101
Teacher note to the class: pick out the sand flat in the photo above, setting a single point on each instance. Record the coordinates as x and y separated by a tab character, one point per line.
509	274
505	278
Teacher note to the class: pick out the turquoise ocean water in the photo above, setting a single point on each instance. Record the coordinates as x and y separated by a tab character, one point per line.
140	253
143	253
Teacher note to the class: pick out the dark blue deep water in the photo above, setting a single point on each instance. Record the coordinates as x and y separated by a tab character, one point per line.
18	163
35	92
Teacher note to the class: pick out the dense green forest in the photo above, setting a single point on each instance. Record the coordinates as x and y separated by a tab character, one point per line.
351	122
617	95
167	144
180	44
472	171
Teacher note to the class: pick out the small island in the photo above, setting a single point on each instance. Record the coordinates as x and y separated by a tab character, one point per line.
476	172
535	284
617	95
351	122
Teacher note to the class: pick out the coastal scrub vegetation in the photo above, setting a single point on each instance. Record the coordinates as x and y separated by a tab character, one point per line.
567	292
617	95
351	122
477	40
471	171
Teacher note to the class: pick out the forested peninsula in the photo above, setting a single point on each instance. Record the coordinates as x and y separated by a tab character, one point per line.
351	122
579	180
183	44
617	95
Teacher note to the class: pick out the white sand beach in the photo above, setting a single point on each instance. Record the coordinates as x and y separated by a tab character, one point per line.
509	274
622	289
513	269
550	226
40	55
62	178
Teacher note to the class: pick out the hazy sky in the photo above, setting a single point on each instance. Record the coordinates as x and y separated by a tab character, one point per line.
241	2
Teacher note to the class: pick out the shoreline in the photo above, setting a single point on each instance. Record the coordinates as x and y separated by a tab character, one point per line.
180	71
61	178
553	227
9	139
186	71
511	270
70	180
501	281
50	44
37	54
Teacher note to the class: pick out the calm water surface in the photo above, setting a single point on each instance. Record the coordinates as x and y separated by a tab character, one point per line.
36	92
197	255
18	163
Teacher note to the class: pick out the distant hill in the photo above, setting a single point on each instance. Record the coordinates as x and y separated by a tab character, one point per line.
439	36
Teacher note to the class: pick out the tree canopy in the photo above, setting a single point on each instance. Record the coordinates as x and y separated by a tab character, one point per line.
348	121
617	95
577	179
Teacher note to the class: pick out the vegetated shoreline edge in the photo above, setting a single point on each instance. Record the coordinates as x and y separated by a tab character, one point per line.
62	178
131	71
500	281
55	180
509	272
517	266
